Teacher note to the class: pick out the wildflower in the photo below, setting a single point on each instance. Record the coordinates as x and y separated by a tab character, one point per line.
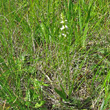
64	35
64	26
62	22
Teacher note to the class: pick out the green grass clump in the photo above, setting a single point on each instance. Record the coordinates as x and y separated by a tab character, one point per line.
54	54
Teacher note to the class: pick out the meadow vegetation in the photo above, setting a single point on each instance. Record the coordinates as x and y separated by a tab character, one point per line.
54	54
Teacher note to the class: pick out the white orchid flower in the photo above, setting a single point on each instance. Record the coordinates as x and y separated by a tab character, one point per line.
64	35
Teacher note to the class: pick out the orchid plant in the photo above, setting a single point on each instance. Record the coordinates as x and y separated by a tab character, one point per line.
63	32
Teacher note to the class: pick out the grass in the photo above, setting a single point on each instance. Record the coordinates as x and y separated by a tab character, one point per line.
54	54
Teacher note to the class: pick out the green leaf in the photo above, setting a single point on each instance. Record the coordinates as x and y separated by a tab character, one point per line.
27	103
61	93
37	105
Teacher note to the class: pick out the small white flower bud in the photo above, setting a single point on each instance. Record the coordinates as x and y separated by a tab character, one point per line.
64	35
